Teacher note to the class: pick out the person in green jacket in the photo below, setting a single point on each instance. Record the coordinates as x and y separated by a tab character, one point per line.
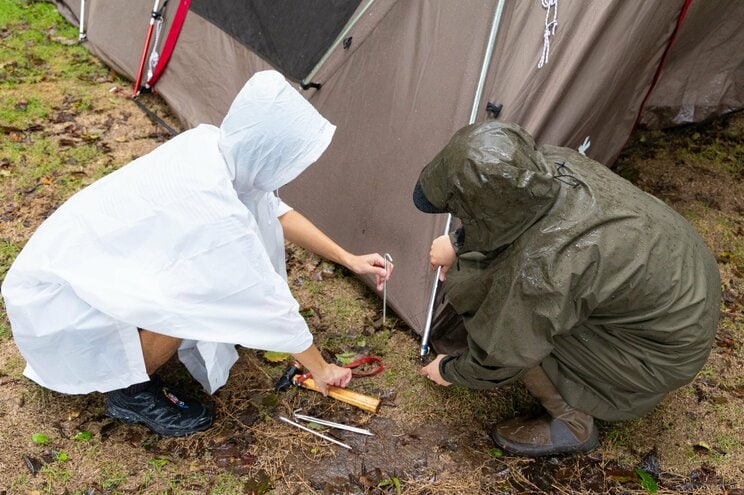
596	295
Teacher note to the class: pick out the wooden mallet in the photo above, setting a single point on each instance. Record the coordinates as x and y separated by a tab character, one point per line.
292	376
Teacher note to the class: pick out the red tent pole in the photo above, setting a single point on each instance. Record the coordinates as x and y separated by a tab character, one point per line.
153	16
655	80
170	42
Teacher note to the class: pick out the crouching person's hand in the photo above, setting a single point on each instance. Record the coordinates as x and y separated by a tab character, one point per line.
324	374
373	264
431	371
332	375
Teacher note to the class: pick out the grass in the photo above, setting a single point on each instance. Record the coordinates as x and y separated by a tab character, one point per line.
20	111
8	252
13	365
33	36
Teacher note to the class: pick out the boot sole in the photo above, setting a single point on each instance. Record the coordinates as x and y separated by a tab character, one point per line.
127	416
528	450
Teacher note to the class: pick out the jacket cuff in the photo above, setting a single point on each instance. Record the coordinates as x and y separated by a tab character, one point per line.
457	238
445	370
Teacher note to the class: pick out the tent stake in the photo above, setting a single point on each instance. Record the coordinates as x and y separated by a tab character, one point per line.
388	258
326	437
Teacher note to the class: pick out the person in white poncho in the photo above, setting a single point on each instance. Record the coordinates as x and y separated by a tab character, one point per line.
181	250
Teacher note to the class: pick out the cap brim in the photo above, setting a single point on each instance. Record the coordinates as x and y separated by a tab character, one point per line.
422	203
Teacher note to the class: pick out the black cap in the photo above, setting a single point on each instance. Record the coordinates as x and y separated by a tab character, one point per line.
422	203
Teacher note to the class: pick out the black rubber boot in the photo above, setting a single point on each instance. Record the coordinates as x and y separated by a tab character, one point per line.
564	430
163	410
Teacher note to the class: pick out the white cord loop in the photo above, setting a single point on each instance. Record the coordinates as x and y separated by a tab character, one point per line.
584	146
550	26
154	55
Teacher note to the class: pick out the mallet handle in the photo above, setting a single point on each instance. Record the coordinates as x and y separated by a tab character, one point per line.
365	402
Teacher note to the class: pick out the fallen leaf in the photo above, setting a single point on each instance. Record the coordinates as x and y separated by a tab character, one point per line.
346	357
39	438
275	357
701	448
63	41
83	436
647	481
621	475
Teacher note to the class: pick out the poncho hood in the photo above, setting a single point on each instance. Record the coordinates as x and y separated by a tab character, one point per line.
271	134
492	177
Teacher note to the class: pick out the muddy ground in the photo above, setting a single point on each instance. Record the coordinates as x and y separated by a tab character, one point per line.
61	130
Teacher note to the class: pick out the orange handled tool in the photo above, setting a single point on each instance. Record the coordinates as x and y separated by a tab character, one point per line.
365	402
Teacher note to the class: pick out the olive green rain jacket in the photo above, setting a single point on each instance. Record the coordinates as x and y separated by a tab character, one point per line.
566	265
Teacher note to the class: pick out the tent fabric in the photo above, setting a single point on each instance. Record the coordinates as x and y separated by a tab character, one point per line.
704	74
567	266
602	60
290	35
407	82
183	241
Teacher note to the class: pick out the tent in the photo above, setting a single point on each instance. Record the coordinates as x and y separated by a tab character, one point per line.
399	77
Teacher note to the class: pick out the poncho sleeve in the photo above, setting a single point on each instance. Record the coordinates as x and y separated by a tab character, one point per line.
167	246
222	288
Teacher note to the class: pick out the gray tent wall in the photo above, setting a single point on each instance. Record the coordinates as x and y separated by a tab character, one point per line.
704	74
406	84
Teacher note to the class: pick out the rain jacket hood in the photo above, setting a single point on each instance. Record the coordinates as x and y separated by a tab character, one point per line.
567	266
492	177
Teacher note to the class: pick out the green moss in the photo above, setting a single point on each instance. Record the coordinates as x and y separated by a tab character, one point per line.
39	45
227	484
23	111
5	332
10	12
8	252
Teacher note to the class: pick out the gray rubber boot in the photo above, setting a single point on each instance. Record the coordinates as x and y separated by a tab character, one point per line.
564	430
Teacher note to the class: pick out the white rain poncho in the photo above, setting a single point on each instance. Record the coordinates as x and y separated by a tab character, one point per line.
183	241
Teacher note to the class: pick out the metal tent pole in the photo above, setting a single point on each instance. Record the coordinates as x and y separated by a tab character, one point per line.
473	113
153	17
81	35
308	79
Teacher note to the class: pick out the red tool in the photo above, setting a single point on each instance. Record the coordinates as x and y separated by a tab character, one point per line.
354	364
365	402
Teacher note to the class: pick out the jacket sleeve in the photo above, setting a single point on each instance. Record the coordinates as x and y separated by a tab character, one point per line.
514	327
466	371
